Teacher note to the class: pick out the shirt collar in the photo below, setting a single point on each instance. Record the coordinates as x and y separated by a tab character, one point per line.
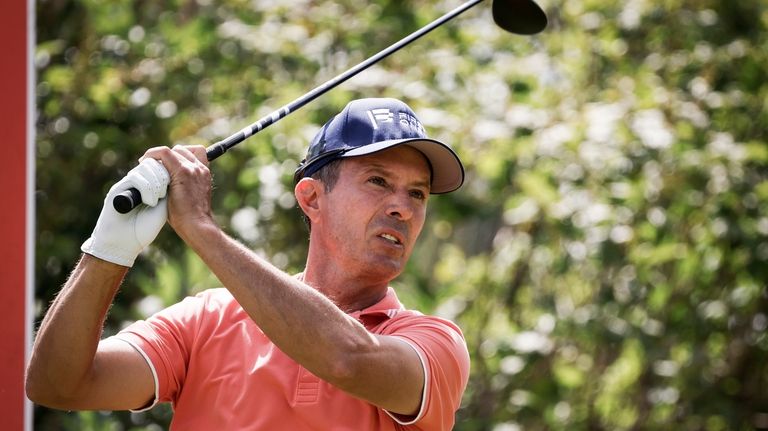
388	306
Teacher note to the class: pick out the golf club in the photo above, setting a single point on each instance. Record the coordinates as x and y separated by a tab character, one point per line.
523	17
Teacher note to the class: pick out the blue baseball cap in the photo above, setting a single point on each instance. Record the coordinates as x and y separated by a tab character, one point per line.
367	126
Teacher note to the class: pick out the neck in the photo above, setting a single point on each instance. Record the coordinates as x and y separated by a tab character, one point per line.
348	293
349	290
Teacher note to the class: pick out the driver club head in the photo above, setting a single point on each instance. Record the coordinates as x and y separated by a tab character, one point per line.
519	16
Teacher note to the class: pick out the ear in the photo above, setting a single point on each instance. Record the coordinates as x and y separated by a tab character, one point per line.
308	192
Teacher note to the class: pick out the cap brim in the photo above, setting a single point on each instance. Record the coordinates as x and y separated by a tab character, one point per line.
447	170
519	16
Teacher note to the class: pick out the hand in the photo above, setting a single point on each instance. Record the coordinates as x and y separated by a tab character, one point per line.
119	238
189	193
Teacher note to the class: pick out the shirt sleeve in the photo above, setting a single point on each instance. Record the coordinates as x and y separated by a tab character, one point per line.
165	341
445	358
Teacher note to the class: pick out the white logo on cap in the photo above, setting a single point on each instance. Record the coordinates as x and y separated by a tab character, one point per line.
384	115
409	120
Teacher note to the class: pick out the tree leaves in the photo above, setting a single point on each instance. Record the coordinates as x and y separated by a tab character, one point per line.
606	257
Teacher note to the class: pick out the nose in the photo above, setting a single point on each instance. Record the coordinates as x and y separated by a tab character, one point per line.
400	206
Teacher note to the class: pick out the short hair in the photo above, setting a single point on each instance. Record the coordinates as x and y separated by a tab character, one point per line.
329	175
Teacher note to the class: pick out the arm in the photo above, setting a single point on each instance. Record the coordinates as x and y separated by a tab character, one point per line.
69	367
303	323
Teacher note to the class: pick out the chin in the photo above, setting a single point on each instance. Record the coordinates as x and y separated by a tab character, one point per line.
385	270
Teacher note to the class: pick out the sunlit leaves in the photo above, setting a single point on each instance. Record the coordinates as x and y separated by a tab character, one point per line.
606	257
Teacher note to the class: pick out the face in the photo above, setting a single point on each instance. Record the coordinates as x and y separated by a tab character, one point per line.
369	222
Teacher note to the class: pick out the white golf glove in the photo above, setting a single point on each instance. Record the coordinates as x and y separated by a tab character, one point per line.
119	238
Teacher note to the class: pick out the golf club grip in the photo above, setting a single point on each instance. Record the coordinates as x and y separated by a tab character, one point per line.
129	199
126	201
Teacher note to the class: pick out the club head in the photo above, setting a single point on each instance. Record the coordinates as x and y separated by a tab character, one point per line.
519	16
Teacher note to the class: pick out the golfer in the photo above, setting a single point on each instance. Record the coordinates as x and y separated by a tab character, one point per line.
330	348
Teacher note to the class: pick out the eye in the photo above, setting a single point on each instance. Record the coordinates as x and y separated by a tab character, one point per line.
418	194
379	181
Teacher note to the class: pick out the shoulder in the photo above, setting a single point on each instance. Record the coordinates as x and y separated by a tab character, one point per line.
210	299
445	360
411	320
192	308
189	320
439	339
218	297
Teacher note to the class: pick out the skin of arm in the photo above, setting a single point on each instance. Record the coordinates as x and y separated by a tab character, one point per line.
69	367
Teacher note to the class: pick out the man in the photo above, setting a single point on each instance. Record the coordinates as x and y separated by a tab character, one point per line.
329	348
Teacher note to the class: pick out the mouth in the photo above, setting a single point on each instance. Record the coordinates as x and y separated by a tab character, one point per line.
391	239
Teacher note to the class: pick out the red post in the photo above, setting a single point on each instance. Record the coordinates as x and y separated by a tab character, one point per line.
16	214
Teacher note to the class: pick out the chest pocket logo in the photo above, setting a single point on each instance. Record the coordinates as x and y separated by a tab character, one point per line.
307	387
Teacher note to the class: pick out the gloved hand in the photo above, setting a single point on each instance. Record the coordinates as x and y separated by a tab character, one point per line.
119	238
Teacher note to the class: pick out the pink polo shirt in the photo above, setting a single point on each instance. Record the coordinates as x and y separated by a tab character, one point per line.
220	372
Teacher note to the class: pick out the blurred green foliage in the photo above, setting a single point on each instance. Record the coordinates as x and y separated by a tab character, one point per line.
607	257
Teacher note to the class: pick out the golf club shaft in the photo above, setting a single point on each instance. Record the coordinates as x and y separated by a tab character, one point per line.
129	199
221	147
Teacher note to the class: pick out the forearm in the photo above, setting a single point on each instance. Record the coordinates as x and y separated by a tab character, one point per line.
66	343
299	320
